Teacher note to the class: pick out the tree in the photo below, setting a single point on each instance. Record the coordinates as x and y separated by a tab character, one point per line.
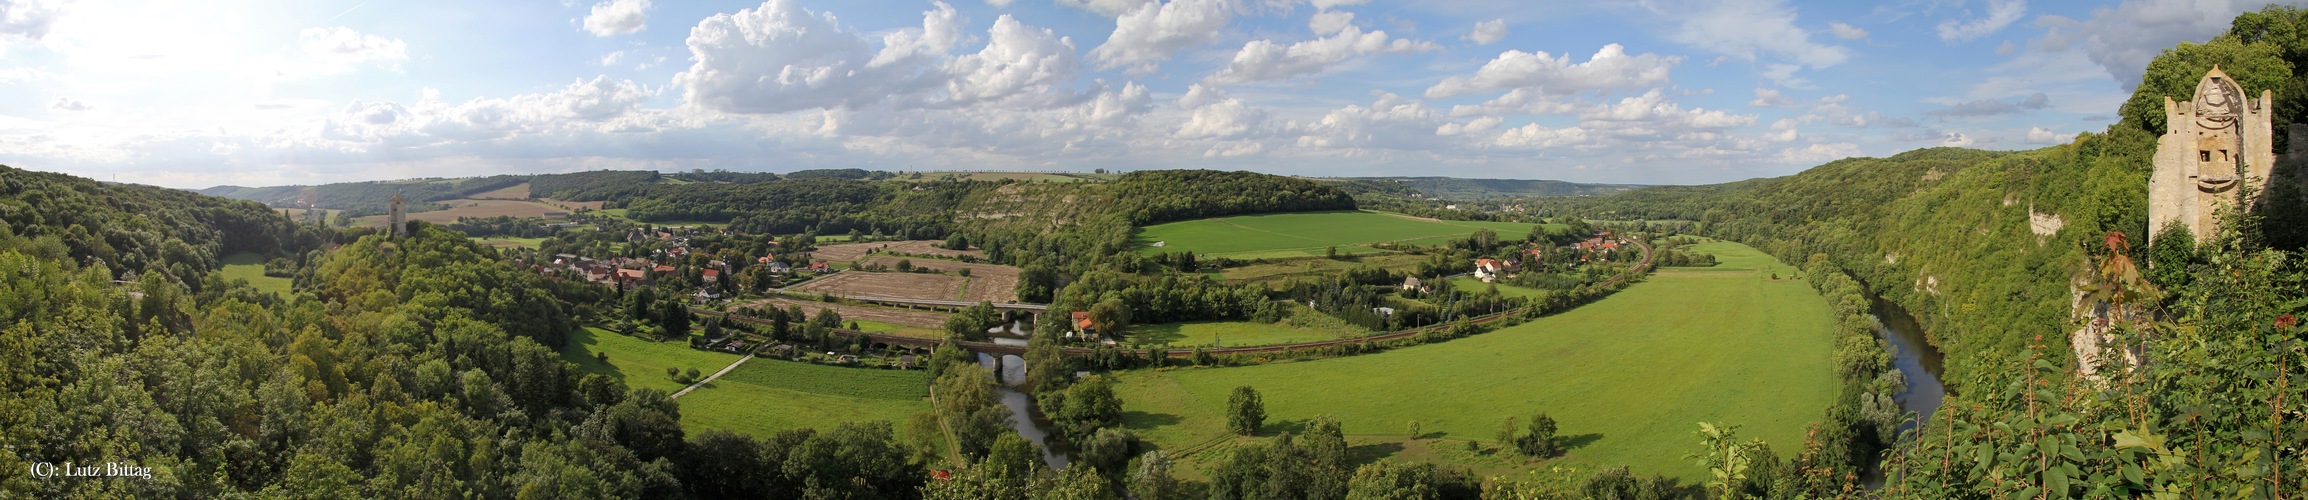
973	322
1725	457
1046	365
1111	316
1391	480
1080	410
1507	432
905	265
1245	413
972	407
1151	480
1539	439
1108	451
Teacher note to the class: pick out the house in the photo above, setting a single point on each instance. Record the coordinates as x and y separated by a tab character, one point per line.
779	267
662	269
677	252
1488	269
632	276
819	266
1082	322
1411	283
710	275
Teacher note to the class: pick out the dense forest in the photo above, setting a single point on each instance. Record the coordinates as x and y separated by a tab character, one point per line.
368	197
145	229
596	185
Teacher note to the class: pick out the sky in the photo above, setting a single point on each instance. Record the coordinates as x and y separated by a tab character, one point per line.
253	93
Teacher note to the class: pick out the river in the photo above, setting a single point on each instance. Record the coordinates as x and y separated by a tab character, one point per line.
1010	370
1916	360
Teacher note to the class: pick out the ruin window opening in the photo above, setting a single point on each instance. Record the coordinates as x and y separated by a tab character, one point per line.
2203	156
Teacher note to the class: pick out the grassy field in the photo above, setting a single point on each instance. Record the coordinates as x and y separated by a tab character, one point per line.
249	266
510	242
1224	333
1469	284
1303	234
764	396
897	329
1628	378
637	362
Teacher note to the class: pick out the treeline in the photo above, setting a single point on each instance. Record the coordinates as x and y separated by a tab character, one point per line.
819	205
502	225
141	229
1157	196
596	185
368	197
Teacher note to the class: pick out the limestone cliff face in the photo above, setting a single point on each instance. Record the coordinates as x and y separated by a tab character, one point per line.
2211	146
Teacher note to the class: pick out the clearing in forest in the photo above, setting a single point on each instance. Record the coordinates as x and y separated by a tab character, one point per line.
765	396
1307	233
1628	378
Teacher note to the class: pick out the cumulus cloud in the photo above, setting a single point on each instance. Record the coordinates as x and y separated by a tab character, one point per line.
67	104
617	17
1108	8
28	19
2000	13
1768	98
582	105
1653	113
611	58
1325	4
1487	32
2124	38
1846	31
1993	107
1153	32
1475	126
2040	135
1609	68
342	45
1955	139
1533	136
1266	60
1389	122
1329	21
1214	115
1018	60
781	57
1747	29
1819	153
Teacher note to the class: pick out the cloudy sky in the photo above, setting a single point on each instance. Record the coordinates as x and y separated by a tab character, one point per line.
195	94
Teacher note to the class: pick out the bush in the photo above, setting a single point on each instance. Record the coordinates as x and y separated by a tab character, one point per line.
1245	413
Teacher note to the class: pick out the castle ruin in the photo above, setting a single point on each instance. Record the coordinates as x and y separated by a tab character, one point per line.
399	218
2211	146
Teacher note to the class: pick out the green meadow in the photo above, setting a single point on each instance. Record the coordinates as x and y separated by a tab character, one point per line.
1306	233
765	396
1628	378
249	266
1224	334
637	362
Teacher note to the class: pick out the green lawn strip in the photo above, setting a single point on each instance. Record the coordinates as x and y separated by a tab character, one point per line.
250	266
765	396
1231	333
1308	233
1628	377
1468	284
897	329
637	362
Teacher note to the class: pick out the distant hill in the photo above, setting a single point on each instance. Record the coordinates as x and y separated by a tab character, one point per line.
1451	188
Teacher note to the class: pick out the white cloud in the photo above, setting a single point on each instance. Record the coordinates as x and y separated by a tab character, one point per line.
1265	60
1652	112
1768	98
1487	32
2124	38
342	45
2040	135
611	58
1609	68
780	57
1475	126
1846	31
1819	153
28	19
1019	60
582	105
1746	29
2000	13
999	4
1533	136
67	104
1214	115
1326	4
1152	32
1955	139
1329	21
617	17
1108	8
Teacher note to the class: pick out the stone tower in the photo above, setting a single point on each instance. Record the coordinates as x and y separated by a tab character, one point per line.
400	218
2211	145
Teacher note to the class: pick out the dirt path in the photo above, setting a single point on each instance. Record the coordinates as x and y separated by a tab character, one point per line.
715	375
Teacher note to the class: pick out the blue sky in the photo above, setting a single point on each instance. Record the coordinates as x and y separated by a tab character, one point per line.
195	94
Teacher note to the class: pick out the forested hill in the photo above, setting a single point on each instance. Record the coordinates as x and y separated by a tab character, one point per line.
132	228
1452	188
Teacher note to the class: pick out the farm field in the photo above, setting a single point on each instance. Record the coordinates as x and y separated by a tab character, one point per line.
1304	234
249	266
930	322
988	282
896	329
765	396
513	192
470	208
636	362
1628	377
1224	333
847	252
903	285
509	242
